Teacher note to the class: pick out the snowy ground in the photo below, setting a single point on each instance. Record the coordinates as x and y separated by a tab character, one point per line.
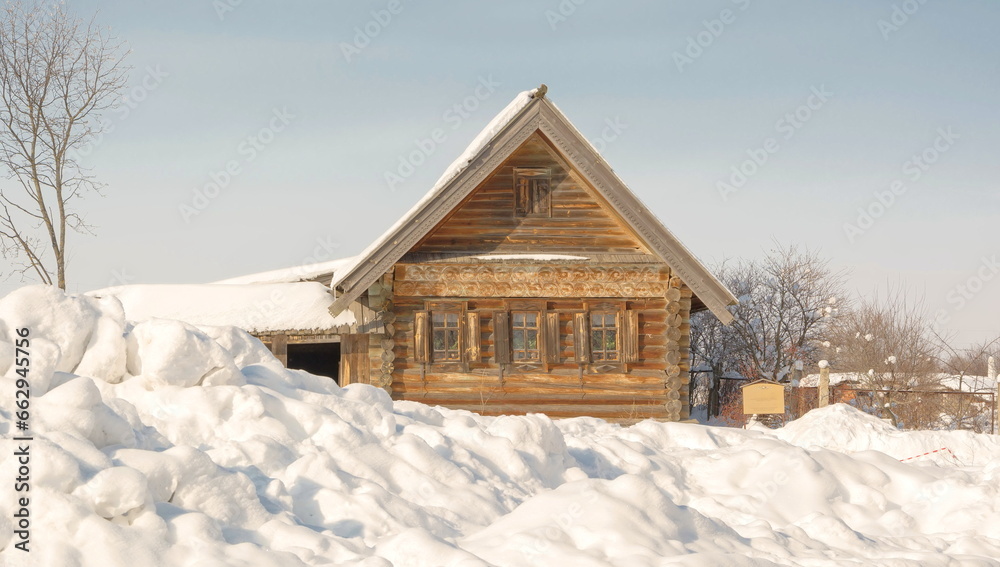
163	444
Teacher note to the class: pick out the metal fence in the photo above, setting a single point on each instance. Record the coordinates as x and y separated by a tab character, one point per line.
907	409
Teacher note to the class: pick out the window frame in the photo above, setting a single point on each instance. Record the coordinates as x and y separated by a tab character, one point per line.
460	310
538	328
538	308
604	329
447	331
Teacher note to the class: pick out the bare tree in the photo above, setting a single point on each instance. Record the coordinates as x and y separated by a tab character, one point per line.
57	74
887	343
713	347
788	301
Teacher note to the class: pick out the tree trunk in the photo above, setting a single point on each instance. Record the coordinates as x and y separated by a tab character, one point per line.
713	391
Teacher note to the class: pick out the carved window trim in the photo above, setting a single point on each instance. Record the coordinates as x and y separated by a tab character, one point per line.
626	328
536	308
532	192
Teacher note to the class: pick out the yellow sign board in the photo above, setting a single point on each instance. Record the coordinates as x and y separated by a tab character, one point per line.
763	398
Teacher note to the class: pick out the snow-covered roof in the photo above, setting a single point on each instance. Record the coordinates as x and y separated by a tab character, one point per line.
257	308
304	272
530	111
967	383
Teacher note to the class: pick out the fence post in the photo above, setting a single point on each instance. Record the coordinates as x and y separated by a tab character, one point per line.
824	384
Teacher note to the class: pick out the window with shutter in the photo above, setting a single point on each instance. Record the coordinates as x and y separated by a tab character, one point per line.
532	194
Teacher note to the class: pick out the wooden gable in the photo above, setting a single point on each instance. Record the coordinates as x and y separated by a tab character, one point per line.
576	221
436	221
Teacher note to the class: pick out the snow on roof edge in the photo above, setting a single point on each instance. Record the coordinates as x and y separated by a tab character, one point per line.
302	272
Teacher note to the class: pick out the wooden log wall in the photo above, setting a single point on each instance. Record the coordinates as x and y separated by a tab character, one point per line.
654	386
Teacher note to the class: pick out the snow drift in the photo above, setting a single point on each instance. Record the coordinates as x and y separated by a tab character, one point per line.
167	444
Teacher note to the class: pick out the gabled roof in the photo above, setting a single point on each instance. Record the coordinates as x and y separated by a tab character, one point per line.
529	112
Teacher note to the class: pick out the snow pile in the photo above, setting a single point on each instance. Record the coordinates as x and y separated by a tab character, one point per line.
194	447
257	308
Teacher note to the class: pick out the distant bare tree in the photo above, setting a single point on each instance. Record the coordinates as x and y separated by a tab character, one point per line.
970	361
57	74
888	343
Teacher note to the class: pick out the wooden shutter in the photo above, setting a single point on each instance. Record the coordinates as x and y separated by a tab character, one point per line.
421	337
629	335
501	337
551	333
472	346
581	337
540	196
522	196
354	361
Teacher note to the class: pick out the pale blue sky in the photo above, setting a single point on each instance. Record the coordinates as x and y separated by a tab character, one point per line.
321	179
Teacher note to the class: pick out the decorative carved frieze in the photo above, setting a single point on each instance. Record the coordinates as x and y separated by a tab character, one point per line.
531	281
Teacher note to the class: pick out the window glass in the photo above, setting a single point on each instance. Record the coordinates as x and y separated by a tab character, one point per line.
446	336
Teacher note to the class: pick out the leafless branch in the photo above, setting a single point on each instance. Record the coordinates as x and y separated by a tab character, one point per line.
57	75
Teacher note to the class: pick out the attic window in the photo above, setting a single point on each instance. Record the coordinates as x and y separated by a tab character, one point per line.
532	196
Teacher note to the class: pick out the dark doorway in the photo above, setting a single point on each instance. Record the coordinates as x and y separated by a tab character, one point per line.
322	359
